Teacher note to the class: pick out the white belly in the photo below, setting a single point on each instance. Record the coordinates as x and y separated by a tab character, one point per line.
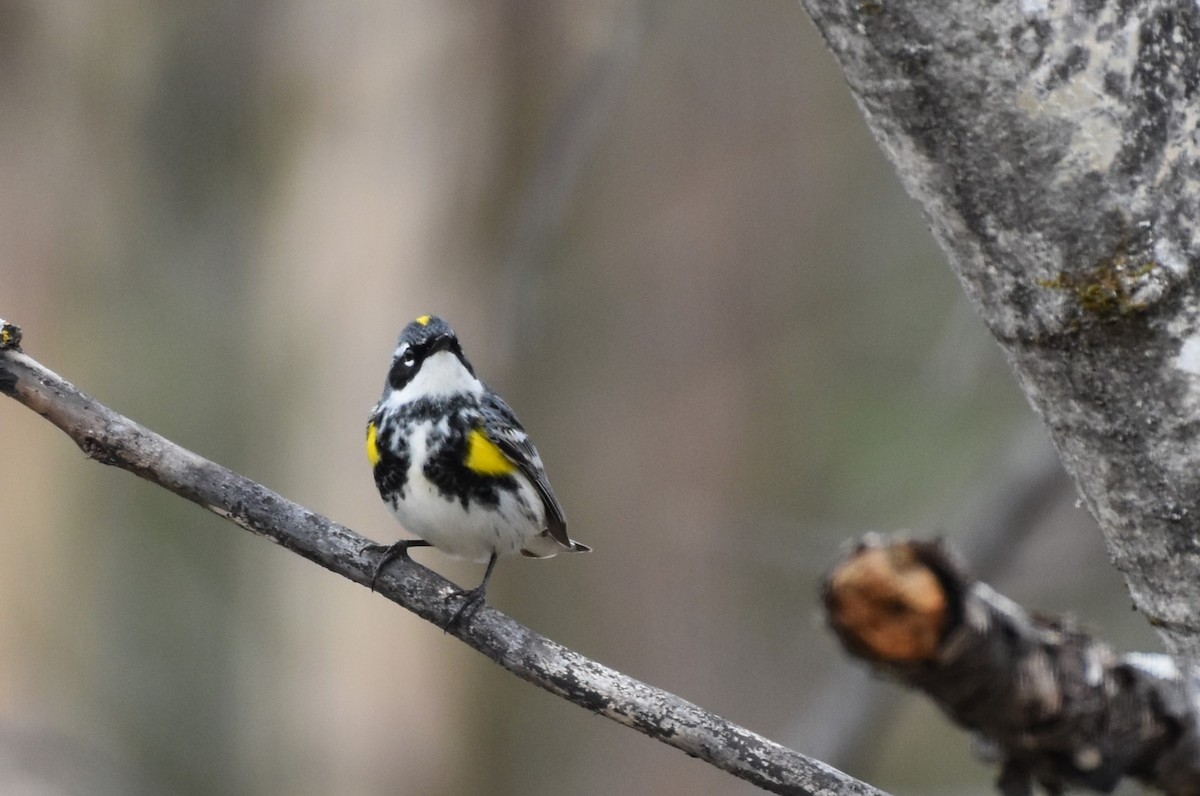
474	532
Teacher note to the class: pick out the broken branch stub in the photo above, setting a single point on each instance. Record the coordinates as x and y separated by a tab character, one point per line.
1060	706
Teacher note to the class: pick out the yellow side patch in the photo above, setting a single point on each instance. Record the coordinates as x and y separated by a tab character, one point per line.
424	319
484	457
373	454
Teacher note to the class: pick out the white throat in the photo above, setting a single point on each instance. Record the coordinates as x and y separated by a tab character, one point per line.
441	375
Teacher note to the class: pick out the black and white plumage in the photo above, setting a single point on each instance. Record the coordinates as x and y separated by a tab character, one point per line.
453	463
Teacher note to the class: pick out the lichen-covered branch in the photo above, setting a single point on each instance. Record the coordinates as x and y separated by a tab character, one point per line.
1060	707
1053	147
113	439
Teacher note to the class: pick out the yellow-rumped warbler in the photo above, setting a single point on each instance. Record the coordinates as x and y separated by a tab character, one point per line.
454	465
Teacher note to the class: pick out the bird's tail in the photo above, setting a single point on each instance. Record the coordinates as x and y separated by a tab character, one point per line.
546	546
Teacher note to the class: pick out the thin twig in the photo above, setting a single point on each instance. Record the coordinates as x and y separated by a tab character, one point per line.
111	438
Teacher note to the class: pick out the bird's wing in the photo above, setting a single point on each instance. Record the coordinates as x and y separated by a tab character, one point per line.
503	428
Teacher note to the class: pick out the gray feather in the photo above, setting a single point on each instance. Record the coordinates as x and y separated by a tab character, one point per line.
502	426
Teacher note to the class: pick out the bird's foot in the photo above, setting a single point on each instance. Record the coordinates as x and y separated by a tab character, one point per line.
390	552
471	600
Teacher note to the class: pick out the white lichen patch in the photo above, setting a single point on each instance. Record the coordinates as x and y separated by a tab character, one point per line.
1188	359
1147	284
1170	257
1084	97
1036	8
1097	139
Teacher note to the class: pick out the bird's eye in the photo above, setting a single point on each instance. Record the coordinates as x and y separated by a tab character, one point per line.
404	363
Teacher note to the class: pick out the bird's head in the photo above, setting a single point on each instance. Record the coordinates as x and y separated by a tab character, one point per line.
429	362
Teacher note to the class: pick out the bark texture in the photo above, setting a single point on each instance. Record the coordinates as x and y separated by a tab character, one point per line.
1054	149
1058	705
111	438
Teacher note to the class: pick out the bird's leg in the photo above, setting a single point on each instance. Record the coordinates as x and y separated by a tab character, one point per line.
390	553
472	598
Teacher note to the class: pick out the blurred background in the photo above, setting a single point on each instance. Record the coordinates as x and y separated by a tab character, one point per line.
662	231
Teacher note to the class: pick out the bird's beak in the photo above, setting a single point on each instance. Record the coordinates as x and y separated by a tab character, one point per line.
443	342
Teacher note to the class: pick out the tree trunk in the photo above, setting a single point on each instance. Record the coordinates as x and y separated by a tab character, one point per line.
1054	149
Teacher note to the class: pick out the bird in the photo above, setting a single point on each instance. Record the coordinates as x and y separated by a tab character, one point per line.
454	465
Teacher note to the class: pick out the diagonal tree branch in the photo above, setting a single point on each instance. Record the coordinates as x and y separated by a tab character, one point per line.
111	438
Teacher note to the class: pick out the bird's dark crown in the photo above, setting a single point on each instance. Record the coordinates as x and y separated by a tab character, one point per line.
424	329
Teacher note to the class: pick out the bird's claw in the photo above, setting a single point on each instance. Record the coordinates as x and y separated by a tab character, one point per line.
471	600
389	553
